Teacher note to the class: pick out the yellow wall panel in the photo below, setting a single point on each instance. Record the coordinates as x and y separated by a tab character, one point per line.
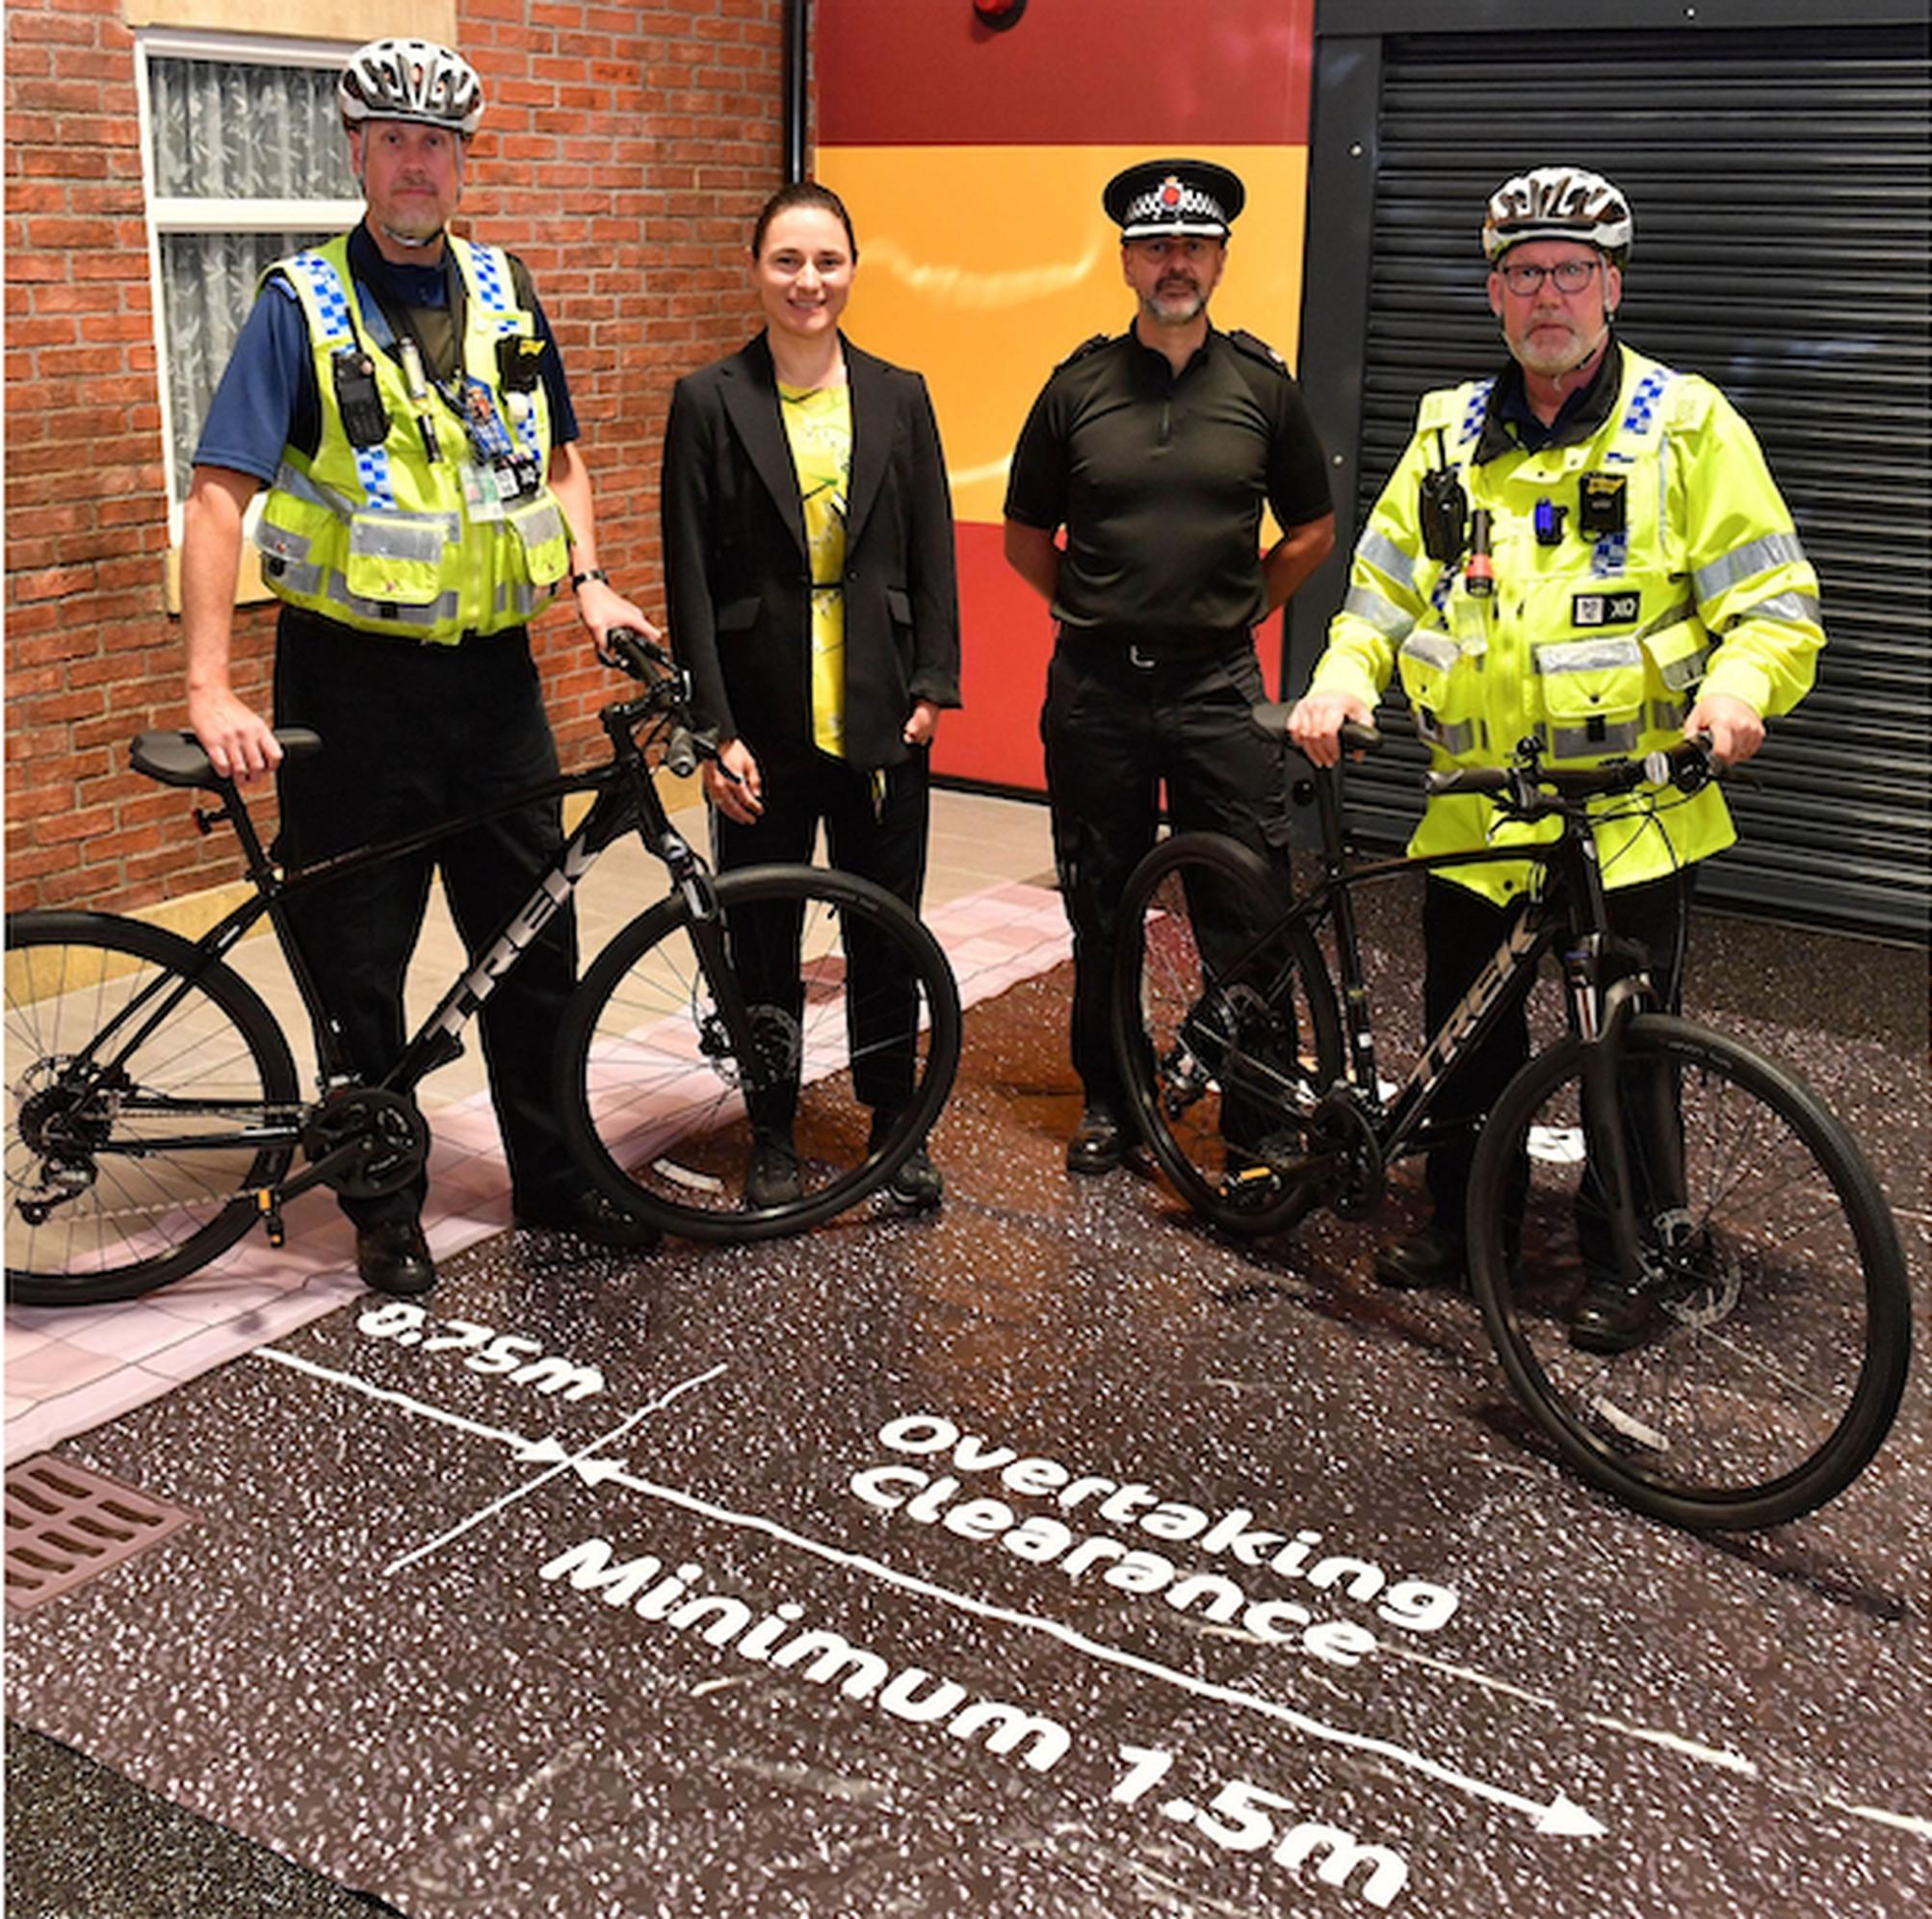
985	266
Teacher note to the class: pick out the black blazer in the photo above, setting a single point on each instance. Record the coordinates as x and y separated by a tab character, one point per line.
738	574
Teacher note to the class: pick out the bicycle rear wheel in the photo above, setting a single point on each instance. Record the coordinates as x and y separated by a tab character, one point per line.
1226	1032
855	1015
123	1048
1766	1367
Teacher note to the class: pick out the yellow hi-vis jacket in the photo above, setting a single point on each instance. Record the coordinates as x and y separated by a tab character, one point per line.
383	538
1597	646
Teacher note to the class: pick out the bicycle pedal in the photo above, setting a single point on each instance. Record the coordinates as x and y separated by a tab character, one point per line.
272	1217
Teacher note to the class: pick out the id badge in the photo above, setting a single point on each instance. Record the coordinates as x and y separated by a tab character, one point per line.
482	494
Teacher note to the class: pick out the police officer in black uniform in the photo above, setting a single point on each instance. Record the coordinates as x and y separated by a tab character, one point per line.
1156	450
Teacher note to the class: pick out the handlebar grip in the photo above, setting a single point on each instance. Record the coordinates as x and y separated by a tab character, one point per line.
1467	780
681	753
1688	766
1356	736
628	650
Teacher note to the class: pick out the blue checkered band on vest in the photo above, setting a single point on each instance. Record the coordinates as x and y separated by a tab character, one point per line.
329	294
497	292
1609	556
1643	401
1473	412
492	287
332	299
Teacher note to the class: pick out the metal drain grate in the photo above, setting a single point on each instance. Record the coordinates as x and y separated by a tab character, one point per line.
66	1524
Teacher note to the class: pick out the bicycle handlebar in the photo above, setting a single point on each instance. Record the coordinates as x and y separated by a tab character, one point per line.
628	650
667	691
1528	789
1356	736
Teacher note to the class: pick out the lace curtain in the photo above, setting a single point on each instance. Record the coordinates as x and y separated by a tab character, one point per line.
224	132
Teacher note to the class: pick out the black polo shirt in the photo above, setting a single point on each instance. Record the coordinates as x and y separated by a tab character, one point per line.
1159	479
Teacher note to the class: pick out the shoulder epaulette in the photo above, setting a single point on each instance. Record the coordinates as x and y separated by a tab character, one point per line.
1256	349
1086	347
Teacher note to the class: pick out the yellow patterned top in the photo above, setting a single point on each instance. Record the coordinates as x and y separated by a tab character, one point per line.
819	425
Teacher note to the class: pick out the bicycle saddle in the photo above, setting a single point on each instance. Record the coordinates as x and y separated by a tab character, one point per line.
176	759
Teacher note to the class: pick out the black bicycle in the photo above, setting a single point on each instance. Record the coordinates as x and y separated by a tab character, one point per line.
154	1111
1764	1313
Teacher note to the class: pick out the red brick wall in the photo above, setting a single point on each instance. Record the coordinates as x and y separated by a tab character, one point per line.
625	149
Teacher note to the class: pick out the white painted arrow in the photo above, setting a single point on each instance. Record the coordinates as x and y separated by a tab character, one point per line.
1560	1816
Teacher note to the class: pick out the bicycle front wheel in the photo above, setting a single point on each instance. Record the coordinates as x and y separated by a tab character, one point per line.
1225	1030
142	1082
1765	1349
854	1019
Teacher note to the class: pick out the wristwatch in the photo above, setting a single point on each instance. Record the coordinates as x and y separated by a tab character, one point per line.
590	573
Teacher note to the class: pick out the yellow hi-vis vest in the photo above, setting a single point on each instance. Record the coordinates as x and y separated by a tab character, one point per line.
383	538
1595	646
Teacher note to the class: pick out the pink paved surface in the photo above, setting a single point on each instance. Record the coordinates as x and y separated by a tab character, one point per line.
71	1369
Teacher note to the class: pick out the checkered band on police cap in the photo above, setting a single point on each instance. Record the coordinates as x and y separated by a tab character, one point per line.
1161	196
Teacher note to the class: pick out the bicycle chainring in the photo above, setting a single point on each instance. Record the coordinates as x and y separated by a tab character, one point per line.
384	1137
1339	1127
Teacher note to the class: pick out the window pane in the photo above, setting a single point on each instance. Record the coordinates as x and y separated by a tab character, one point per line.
208	283
222	130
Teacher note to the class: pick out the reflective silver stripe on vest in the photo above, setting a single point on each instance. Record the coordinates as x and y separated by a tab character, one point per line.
1678	674
1462	737
387	613
281	544
520	597
1584	742
1379	551
538	523
1432	649
1744	562
1797	608
1386	617
1666	715
1589	655
304	579
420	537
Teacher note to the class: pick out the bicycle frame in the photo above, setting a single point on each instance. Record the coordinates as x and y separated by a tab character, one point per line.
1566	910
626	799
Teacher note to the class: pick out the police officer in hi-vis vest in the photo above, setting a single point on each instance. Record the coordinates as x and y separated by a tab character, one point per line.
1643	581
398	393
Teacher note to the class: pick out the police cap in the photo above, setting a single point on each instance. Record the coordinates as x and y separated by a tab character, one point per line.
1159	196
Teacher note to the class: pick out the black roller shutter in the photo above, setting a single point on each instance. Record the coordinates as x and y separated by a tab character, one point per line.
1778	177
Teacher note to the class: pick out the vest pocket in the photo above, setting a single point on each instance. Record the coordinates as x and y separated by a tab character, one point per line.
1445	688
1592	696
396	557
538	524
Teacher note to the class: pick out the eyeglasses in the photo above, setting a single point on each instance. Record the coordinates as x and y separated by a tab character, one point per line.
1570	275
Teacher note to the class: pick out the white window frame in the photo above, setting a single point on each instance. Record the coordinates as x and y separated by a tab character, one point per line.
169	215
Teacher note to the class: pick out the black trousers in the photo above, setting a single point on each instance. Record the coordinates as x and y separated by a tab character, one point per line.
1115	735
1461	931
414	735
876	827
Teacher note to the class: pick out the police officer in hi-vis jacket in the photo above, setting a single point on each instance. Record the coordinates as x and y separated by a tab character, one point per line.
398	393
1642	583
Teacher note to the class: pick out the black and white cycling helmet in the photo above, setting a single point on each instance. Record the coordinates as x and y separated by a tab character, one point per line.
1558	203
412	80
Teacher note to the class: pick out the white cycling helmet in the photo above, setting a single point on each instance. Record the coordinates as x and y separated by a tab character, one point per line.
1558	203
412	80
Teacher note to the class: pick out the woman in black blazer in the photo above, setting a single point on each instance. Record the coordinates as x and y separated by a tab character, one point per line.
809	571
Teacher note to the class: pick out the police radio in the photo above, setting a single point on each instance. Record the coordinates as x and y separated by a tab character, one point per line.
1443	509
364	417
